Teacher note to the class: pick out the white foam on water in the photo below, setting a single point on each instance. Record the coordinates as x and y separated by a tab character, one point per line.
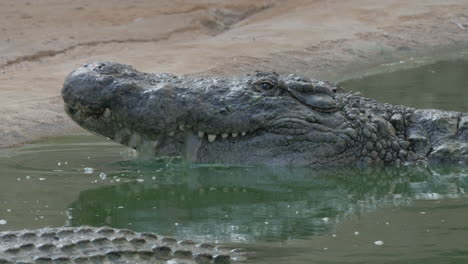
378	243
88	170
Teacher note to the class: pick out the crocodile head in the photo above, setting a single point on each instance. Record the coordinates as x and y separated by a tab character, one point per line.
261	118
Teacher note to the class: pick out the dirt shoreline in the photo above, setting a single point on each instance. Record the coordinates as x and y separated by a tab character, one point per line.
42	41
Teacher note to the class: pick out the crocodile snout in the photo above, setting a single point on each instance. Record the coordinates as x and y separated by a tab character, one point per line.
86	88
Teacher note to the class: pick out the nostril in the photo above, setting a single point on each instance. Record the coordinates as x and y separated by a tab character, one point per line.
70	110
100	66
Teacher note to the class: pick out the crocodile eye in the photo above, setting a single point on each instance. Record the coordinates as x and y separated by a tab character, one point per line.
265	85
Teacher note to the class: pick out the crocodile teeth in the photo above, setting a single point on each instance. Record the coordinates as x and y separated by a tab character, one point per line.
107	113
243	133
181	127
234	135
201	134
224	135
211	137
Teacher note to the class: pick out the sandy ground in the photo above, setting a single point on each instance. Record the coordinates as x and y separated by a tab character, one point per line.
41	41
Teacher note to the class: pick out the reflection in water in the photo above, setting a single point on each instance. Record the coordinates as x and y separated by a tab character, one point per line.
231	204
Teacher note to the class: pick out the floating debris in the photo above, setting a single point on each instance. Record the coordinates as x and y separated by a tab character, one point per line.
88	170
378	242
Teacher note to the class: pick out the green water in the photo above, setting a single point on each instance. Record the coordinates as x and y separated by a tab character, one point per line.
285	215
443	85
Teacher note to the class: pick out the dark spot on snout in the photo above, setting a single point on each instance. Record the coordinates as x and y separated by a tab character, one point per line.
100	66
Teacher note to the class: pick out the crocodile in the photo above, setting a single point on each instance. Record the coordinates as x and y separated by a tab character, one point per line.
259	118
86	244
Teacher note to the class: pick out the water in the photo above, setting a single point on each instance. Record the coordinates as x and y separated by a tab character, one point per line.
443	85
39	180
285	215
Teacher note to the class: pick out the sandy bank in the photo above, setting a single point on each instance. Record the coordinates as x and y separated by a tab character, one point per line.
42	41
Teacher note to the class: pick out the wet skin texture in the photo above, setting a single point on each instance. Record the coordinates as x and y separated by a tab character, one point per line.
105	245
261	118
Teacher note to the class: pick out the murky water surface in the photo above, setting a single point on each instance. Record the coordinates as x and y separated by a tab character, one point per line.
442	85
286	215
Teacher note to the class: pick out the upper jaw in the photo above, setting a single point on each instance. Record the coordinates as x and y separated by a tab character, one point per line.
87	91
204	131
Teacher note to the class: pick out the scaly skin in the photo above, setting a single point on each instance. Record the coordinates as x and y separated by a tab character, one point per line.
263	118
104	245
